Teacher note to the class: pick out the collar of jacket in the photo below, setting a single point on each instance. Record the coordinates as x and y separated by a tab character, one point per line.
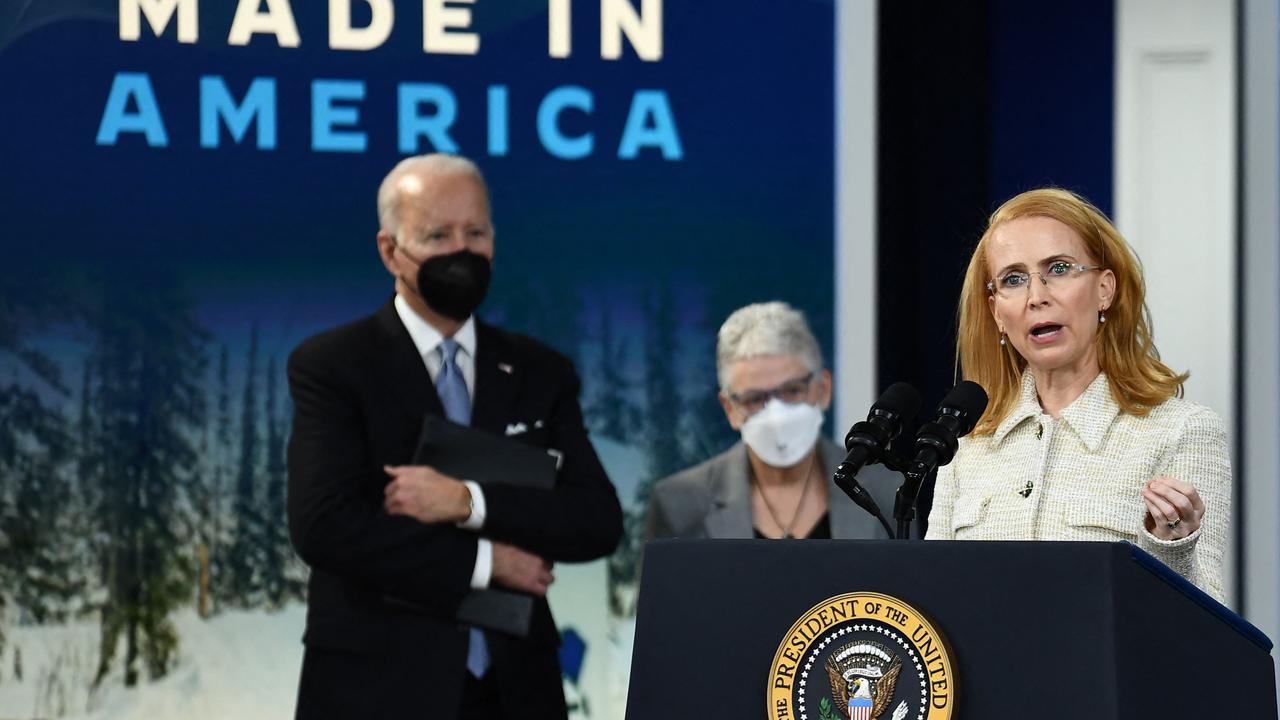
1089	415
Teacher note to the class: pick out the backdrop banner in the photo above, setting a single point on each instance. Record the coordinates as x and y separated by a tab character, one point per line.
188	190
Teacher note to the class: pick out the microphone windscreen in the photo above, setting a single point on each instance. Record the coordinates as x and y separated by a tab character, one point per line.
903	399
970	399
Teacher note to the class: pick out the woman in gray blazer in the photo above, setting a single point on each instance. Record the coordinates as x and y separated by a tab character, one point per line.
776	482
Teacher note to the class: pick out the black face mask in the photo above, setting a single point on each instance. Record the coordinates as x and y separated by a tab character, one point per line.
454	285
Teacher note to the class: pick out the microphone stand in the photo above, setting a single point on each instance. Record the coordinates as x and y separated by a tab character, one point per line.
904	502
859	495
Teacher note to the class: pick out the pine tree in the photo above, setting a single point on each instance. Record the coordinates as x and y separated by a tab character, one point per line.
663	414
208	489
707	432
89	490
219	462
44	544
244	559
149	358
612	413
276	550
34	447
662	392
88	427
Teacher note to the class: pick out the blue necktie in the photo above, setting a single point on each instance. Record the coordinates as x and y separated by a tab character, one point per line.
452	389
450	385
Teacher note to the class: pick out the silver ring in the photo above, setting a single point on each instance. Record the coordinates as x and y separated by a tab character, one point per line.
1175	523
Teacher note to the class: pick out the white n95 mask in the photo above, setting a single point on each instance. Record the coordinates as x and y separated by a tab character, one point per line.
781	434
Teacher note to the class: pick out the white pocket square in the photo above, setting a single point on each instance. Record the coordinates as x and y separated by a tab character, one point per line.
516	429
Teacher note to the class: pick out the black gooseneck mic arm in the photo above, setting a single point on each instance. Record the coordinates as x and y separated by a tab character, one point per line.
935	446
868	442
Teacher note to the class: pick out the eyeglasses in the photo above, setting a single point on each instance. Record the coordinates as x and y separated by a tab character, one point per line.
1015	283
792	392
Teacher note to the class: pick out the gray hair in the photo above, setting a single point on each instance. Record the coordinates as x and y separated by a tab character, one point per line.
432	164
770	328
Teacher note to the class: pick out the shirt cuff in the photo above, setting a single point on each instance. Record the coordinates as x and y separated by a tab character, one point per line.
483	571
476	520
1178	554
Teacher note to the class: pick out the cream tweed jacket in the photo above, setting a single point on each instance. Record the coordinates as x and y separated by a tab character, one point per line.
1080	478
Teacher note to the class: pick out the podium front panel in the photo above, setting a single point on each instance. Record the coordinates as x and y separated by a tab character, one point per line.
1044	630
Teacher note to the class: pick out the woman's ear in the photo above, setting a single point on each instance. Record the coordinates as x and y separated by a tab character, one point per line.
995	313
1106	289
824	389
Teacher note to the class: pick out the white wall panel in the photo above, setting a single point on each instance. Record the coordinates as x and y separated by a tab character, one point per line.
1175	194
1260	225
855	361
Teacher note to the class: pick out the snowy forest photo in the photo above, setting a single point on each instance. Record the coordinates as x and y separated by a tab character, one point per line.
133	488
145	565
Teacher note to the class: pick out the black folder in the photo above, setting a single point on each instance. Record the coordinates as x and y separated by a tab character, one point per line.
469	453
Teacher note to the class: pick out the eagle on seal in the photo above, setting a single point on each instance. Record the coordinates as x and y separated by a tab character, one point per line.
858	670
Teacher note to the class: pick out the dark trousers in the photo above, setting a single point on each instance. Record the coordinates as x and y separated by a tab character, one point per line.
338	685
480	699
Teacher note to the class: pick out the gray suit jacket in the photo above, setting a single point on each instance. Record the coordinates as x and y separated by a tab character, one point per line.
713	499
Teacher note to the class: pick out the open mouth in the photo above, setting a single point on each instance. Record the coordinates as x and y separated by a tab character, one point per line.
1045	331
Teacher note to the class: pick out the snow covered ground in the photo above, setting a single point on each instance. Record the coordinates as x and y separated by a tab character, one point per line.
244	665
240	664
608	662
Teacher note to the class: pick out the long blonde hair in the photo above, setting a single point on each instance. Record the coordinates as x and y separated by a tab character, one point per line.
1126	350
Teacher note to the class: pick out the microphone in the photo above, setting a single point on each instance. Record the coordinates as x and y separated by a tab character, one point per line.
868	442
936	444
957	414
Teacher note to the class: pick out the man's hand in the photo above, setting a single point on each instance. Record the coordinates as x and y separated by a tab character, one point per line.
516	569
425	494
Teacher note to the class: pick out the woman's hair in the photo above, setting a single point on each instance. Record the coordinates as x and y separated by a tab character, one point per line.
768	328
1126	350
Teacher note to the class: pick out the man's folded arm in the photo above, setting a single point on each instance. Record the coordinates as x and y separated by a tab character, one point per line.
578	521
337	528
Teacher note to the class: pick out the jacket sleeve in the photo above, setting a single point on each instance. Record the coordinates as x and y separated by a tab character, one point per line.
336	519
578	521
1200	457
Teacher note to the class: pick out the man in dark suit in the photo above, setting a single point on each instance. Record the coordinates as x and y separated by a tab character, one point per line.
393	548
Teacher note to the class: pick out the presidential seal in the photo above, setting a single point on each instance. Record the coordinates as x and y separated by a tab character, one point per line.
862	656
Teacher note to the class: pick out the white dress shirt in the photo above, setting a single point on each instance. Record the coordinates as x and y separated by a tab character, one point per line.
427	340
1080	477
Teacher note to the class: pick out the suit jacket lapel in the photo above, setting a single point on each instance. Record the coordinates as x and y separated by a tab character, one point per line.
730	488
497	381
403	371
